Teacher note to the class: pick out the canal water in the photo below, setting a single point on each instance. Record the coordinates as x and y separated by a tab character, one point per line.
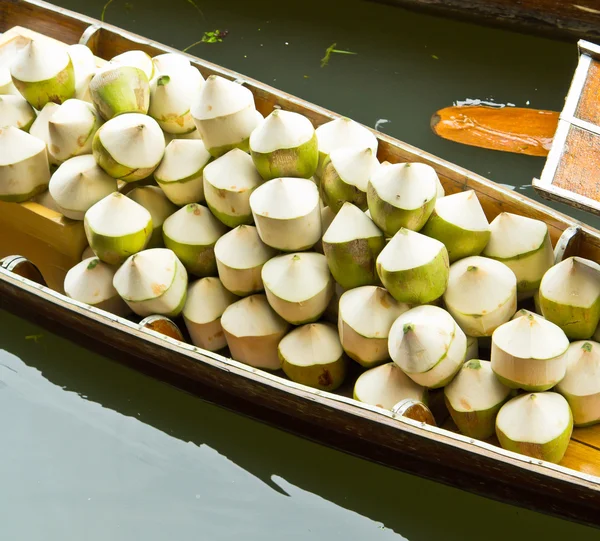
92	450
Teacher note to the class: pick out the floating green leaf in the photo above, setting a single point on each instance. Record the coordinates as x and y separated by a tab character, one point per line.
215	36
34	337
329	51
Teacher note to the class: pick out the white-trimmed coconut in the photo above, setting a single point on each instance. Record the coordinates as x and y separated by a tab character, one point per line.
365	317
253	331
402	195
42	72
581	384
118	89
171	96
522	244
117	227
71	130
153	281
84	65
460	223
351	245
228	184
285	145
191	233
287	214
298	286
345	176
312	355
474	398
428	345
136	59
386	385
15	111
129	147
206	301
413	267
180	174
342	133
225	115
167	61
481	294
24	170
91	282
39	128
472	348
538	425
569	296
240	256
529	353
154	200
6	84
78	184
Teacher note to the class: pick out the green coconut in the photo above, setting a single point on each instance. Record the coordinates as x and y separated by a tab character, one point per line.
16	111
191	233
284	145
153	199
459	222
351	245
413	267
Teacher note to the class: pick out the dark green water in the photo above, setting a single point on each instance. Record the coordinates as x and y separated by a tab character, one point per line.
94	451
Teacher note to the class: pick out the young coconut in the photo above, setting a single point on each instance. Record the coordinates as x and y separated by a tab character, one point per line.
167	61
180	174
413	267
40	129
78	184
474	398
298	286
402	195
351	245
91	282
524	246
481	294
287	214
129	147
569	296
136	59
24	170
153	199
428	345
529	353
253	331
117	89
460	223
342	133
85	68
472	348
191	233
365	317
71	130
386	385
240	256
225	115
312	355
284	145
153	281
117	227
345	177
538	425
206	301
15	111
228	184
43	72
581	384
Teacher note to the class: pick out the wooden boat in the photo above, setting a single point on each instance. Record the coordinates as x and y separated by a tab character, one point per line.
570	490
579	19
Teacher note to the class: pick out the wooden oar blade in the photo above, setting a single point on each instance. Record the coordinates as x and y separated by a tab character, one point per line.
508	129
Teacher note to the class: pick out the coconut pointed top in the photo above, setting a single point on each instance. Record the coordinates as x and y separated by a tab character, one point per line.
183	158
408	249
220	97
462	209
17	145
406	185
314	343
281	129
512	234
477	283
574	281
233	171
168	61
90	281
116	215
285	198
583	369
344	132
241	248
15	111
355	166
82	58
147	274
350	223
252	316
39	61
39	128
194	224
136	59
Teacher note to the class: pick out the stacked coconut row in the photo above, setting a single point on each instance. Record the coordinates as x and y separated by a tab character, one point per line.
286	229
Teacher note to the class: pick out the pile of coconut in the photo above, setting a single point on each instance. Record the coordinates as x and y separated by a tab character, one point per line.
294	249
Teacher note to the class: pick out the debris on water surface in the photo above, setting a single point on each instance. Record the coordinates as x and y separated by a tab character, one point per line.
380	122
34	337
215	36
331	49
